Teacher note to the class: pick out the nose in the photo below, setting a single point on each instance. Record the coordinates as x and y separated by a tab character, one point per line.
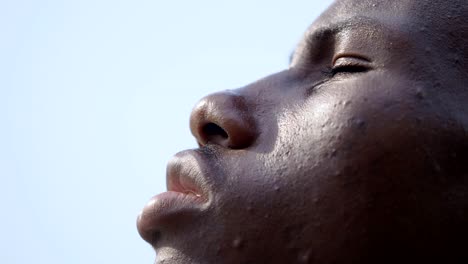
225	119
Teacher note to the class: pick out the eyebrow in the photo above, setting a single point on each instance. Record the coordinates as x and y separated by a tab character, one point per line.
321	34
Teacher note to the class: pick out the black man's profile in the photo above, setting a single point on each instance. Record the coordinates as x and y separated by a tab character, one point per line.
357	153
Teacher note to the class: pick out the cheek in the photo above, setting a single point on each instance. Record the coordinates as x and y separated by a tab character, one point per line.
341	128
336	157
333	145
356	117
342	164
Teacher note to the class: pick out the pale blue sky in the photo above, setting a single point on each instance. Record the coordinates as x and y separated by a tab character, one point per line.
95	98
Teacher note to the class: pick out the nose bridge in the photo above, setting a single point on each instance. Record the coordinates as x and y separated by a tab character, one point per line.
224	118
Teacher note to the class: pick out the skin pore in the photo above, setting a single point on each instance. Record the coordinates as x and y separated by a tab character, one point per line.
354	154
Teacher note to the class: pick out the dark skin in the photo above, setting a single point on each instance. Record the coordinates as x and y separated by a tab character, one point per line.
355	154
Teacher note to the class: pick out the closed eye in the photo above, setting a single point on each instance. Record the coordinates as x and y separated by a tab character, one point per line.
350	65
348	69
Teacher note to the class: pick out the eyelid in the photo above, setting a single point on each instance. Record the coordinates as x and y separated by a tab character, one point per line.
349	64
349	59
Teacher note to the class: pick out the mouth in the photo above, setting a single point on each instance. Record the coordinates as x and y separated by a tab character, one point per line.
187	195
184	176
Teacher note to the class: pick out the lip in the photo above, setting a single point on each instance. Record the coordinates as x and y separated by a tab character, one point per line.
187	195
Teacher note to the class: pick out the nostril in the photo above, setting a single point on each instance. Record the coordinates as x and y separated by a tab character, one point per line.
224	119
214	133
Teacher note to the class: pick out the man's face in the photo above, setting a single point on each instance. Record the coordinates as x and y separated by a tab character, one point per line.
352	155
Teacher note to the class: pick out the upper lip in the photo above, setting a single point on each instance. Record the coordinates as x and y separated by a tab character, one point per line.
184	174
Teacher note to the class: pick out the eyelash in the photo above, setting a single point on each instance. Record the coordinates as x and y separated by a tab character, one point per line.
347	69
341	69
348	65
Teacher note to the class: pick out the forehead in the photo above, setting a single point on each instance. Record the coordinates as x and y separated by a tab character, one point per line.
359	18
440	26
430	7
364	13
436	15
356	34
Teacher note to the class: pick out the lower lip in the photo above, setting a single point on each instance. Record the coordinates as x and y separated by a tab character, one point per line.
164	208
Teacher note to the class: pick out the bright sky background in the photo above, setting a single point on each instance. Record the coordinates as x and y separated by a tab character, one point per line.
95	98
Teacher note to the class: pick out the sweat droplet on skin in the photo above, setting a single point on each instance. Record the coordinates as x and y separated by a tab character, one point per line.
419	93
237	243
304	257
